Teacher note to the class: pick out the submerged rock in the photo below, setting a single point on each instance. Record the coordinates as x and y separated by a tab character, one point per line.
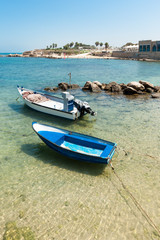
51	89
17	233
155	95
73	86
63	86
11	231
157	88
141	92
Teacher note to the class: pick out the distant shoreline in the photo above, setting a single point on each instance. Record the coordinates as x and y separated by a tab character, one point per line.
94	54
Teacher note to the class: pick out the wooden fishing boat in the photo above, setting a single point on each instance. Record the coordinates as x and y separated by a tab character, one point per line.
66	107
75	145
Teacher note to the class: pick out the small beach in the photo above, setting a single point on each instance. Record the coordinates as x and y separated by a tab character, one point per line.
55	197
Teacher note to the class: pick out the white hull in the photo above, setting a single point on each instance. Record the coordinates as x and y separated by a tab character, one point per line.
54	112
52	107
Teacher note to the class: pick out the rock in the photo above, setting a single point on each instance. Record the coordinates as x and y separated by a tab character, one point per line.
115	88
149	90
108	87
87	86
123	86
147	84
98	84
54	89
47	88
51	89
14	55
136	85
27	53
74	86
155	95
141	92
129	91
95	88
63	86
157	88
104	86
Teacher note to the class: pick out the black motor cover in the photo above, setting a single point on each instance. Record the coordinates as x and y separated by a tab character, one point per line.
83	107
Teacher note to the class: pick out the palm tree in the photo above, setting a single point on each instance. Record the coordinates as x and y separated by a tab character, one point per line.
66	46
106	45
101	44
97	44
76	45
71	44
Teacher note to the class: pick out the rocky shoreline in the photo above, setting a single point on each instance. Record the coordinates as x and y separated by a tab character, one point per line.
132	88
42	53
78	54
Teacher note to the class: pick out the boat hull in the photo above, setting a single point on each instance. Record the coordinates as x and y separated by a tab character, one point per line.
54	112
52	108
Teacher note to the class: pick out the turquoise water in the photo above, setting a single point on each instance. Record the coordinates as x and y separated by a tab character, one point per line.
59	198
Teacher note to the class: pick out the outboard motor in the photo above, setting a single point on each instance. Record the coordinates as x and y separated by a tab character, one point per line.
83	107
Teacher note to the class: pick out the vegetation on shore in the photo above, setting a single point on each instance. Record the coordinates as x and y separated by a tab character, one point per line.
77	46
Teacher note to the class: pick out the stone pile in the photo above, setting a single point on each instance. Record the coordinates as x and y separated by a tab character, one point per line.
141	87
62	86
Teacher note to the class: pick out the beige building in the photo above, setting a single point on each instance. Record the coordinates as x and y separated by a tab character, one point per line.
149	49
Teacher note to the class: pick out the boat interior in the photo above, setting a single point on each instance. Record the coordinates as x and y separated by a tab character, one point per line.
79	144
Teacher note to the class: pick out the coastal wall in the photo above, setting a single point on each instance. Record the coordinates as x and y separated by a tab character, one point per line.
149	55
137	55
122	54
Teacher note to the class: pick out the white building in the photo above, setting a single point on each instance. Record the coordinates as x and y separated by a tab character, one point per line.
131	48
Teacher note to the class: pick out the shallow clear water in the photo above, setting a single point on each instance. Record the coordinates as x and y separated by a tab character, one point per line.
59	198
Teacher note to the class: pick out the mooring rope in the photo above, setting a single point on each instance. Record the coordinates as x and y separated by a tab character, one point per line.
144	213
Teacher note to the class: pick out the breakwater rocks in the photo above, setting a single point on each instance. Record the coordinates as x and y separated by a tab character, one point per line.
132	88
141	87
62	86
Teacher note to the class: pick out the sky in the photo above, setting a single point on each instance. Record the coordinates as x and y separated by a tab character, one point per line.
34	24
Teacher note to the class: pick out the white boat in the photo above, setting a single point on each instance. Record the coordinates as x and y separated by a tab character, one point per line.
66	107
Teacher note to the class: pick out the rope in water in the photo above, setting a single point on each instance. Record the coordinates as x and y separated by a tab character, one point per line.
149	220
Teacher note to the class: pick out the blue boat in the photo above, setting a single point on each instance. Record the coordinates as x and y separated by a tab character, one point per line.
75	145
